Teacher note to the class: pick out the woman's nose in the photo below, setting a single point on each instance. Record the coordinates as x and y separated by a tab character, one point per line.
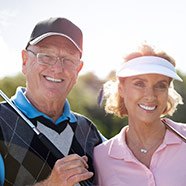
150	93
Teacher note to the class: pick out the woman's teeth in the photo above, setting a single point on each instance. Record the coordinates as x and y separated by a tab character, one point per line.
147	107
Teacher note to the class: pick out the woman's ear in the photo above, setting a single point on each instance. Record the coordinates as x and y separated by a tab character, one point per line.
120	89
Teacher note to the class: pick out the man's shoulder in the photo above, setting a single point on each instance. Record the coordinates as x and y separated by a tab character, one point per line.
6	111
86	126
81	119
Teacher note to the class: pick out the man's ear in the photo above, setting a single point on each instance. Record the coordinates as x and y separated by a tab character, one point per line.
24	57
80	66
24	60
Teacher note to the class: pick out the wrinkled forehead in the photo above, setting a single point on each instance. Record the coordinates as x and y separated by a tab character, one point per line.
56	44
57	41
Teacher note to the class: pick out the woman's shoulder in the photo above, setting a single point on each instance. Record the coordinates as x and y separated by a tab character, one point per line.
114	141
105	145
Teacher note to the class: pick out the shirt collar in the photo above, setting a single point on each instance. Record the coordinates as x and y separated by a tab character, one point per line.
21	101
170	137
119	150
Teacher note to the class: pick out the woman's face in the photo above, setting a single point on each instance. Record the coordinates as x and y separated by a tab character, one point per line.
145	96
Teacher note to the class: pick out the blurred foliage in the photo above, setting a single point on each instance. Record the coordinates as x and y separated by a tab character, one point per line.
83	99
9	84
180	87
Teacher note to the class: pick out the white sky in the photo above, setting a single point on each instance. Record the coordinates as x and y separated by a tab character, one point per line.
110	27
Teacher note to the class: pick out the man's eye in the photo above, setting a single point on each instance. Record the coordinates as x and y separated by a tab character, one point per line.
47	58
68	61
50	57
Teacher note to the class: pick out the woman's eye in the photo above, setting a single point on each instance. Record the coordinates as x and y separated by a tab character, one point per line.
139	84
161	86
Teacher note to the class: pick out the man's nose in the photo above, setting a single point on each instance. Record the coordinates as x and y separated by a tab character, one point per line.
58	66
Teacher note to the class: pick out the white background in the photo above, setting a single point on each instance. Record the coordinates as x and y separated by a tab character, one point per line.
111	28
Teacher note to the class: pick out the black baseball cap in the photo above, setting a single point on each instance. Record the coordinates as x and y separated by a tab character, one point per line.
57	26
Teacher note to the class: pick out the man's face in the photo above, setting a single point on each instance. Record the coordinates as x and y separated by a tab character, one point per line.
51	81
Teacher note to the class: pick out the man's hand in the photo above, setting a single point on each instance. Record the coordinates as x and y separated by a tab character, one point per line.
68	171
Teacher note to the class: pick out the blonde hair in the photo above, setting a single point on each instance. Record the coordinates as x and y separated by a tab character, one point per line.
114	102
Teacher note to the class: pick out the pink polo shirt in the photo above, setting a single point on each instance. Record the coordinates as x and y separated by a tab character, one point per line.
116	165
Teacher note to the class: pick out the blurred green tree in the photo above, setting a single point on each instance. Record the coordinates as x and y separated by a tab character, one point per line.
9	84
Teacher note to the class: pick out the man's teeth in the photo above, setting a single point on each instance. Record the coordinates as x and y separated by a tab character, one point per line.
147	107
53	80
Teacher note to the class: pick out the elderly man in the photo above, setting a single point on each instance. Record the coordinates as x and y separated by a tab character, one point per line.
51	63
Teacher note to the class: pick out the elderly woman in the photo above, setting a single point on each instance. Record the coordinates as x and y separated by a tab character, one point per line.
150	150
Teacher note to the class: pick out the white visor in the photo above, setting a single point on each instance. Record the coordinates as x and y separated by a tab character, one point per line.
148	65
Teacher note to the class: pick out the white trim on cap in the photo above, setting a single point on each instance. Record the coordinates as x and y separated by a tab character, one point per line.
38	39
147	65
